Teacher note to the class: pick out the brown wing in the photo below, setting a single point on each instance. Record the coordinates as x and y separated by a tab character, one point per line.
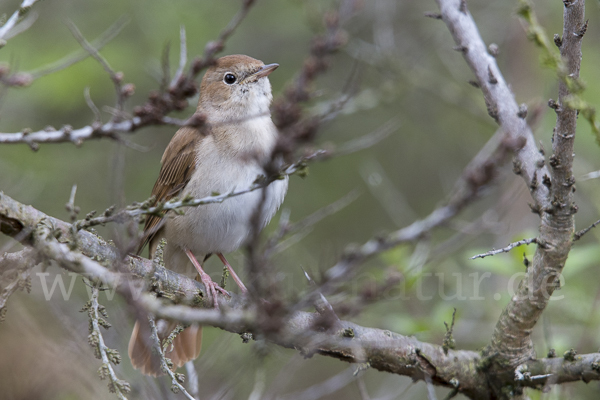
178	165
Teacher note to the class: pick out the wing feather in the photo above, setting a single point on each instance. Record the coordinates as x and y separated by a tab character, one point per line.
178	166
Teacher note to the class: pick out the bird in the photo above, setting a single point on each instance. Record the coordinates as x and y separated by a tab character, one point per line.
228	151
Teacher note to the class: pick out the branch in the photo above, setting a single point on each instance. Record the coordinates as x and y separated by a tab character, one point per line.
564	64
115	77
22	79
15	18
507	248
476	176
579	234
160	209
584	367
529	163
15	269
153	112
512	335
97	313
384	350
381	349
176	379
511	343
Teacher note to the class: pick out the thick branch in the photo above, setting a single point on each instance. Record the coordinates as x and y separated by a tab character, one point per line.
512	336
511	342
383	350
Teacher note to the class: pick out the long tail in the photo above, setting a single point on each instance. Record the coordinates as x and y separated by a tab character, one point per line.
186	347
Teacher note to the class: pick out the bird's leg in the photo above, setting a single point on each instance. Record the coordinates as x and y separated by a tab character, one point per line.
211	287
233	274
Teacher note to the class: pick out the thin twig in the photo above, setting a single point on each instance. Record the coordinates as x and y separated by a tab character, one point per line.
371	139
21	263
192	379
160	209
579	234
182	57
502	105
322	389
80	54
274	244
16	16
109	356
324	308
115	77
506	249
473	180
91	105
164	364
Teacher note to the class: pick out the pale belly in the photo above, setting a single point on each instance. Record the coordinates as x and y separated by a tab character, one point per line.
223	227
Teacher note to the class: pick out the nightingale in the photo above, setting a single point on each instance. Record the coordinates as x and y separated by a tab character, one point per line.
227	152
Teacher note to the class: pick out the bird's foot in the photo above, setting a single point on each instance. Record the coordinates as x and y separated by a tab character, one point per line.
212	288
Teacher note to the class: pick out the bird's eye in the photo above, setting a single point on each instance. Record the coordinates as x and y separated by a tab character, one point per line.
229	79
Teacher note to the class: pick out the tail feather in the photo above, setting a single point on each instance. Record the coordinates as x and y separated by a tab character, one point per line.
186	347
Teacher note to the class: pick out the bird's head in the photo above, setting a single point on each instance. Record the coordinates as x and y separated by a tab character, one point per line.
235	87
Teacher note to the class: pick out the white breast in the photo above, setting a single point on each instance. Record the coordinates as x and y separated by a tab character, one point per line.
224	227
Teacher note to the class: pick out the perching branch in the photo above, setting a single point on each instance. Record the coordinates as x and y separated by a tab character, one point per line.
383	350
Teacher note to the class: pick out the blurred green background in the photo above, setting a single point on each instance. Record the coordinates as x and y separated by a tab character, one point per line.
407	70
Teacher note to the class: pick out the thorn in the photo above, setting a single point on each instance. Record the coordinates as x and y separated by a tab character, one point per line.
33	146
491	78
569	355
542	151
526	261
534	182
574	208
463	6
582	30
546	181
433	15
554	105
557	40
449	342
535	208
474	83
493	50
522	111
462	49
570	181
517	167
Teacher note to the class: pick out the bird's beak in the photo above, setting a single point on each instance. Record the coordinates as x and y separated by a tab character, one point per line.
261	73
